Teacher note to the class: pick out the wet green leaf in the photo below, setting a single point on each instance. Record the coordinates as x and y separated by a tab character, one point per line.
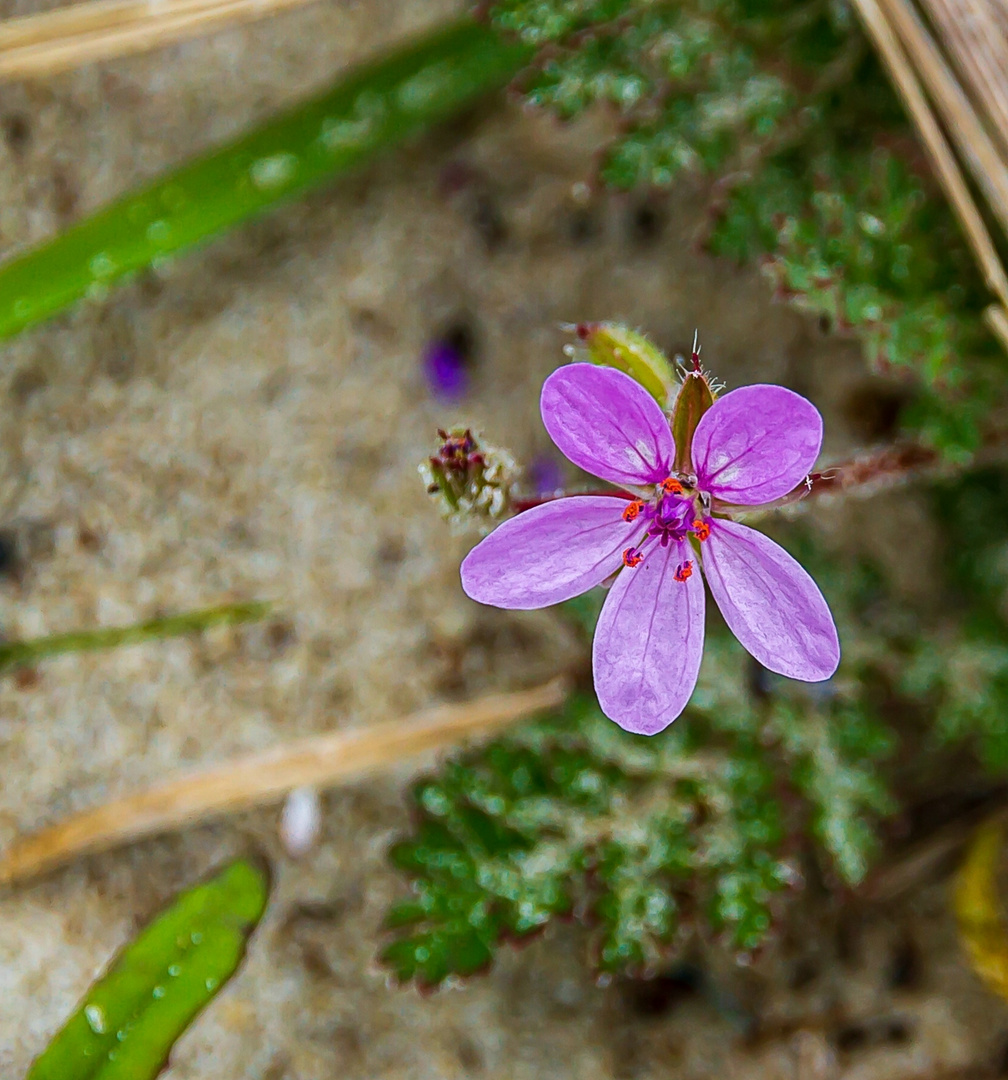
367	111
130	1019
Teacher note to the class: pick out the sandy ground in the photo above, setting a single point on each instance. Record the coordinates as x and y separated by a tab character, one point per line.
247	424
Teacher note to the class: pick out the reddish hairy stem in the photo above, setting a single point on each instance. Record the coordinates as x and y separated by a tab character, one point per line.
518	505
884	467
888	466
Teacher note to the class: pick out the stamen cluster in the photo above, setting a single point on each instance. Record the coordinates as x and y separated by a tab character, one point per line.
674	513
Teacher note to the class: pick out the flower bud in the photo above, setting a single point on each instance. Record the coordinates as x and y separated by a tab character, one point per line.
469	480
613	345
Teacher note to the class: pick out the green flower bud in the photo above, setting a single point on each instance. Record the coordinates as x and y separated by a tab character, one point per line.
613	345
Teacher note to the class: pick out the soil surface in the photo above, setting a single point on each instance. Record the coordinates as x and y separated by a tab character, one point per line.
246	423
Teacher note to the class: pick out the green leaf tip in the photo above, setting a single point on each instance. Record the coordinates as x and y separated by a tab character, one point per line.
365	112
129	1020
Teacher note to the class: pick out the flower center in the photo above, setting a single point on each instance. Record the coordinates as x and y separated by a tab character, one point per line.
674	512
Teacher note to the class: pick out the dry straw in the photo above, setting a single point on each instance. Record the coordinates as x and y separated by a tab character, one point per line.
318	761
973	116
54	41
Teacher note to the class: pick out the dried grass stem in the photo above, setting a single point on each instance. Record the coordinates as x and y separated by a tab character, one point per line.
54	41
946	167
317	761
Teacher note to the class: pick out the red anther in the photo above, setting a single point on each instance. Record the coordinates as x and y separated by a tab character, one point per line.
683	571
700	529
632	558
633	509
671	486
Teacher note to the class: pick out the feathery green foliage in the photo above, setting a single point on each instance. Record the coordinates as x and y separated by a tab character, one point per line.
652	842
814	171
962	672
702	831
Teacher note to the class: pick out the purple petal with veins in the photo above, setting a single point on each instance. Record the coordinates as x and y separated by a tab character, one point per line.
649	641
770	603
607	424
549	553
756	444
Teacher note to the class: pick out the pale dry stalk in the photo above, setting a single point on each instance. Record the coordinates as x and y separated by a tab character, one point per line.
54	41
318	761
946	167
975	32
983	156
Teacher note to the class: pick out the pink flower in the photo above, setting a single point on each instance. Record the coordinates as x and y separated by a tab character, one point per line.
752	446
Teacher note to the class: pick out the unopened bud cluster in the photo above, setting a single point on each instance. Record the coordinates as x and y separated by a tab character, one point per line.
469	480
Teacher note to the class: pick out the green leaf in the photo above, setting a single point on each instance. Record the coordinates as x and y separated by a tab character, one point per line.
574	815
368	111
130	1019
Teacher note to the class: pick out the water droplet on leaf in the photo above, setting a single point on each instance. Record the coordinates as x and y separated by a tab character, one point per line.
274	171
95	1016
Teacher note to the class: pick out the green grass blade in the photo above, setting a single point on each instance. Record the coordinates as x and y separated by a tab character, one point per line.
130	1019
371	109
21	653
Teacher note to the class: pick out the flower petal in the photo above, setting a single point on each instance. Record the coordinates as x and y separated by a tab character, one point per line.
607	424
770	603
756	444
649	641
549	553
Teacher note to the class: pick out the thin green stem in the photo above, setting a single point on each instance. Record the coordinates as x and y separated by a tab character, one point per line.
21	653
368	111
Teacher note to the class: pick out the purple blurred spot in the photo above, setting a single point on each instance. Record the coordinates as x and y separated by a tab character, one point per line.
446	371
545	475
